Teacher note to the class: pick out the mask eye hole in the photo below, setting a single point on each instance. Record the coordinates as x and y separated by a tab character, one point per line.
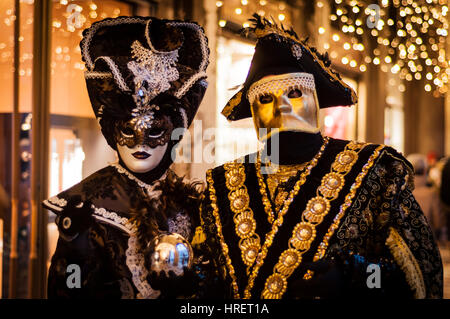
295	93
266	98
127	132
156	132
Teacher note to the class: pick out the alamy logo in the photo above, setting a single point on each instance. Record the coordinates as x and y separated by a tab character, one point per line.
74	19
374	15
74	279
374	279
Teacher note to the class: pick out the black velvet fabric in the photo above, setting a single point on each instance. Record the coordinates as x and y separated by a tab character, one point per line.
351	260
293	147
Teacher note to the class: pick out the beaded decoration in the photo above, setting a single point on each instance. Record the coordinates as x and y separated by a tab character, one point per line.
276	83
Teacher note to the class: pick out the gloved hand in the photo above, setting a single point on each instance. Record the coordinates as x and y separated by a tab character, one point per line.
173	286
329	280
343	275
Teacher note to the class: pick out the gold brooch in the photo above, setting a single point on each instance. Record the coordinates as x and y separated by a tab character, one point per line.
303	235
249	249
239	200
331	185
345	161
235	177
316	209
289	260
275	287
245	224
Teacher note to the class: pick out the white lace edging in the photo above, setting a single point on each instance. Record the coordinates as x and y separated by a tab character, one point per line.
203	41
188	84
55	203
96	26
154	68
97	75
202	68
114	219
184	116
134	258
136	264
116	72
150	189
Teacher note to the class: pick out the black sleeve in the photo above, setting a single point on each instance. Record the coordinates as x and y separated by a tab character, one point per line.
78	264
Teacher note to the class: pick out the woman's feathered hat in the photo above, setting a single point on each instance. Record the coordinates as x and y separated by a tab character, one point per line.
279	50
135	64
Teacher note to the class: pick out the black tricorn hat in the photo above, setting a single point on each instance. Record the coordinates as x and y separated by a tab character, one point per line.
134	62
280	51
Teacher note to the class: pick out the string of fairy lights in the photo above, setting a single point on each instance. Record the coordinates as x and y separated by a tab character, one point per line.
410	37
405	37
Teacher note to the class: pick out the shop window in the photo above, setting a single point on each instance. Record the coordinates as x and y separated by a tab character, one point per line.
233	139
394	114
340	122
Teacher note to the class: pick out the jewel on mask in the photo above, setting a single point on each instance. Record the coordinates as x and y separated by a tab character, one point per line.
143	116
296	51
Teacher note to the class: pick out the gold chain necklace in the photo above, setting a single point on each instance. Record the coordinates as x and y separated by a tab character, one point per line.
279	221
262	186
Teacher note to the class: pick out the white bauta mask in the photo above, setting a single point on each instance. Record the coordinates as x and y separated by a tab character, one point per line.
141	158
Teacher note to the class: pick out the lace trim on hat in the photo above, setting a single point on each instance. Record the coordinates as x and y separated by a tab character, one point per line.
116	73
97	75
205	54
88	37
202	38
188	84
273	84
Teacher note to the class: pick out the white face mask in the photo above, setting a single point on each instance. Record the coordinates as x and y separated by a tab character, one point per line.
141	158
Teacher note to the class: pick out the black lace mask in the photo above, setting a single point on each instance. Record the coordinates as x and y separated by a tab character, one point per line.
145	128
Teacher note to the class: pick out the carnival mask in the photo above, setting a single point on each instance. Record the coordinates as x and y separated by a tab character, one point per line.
286	102
143	140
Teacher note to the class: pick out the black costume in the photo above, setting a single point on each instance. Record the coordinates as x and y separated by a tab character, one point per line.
345	206
145	78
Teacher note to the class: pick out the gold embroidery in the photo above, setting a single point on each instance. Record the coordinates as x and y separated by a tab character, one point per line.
347	203
304	232
407	262
281	174
308	275
225	250
245	224
274	282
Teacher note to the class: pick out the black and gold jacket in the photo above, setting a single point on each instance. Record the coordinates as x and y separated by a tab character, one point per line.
350	209
103	222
